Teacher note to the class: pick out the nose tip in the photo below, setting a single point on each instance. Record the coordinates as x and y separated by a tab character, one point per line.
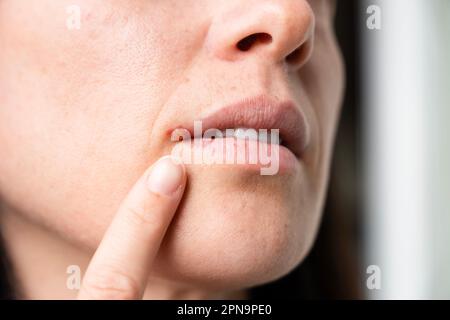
281	31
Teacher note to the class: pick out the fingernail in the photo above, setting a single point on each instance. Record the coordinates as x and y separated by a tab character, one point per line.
165	177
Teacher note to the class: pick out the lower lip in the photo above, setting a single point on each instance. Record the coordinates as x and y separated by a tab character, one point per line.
254	155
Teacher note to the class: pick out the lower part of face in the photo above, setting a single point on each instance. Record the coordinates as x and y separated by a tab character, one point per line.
84	111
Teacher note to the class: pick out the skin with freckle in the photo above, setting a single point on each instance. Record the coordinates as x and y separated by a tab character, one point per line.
84	112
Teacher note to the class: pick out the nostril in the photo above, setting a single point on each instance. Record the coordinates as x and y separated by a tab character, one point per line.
257	38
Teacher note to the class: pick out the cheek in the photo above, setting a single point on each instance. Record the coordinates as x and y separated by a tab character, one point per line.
327	81
71	137
75	141
323	81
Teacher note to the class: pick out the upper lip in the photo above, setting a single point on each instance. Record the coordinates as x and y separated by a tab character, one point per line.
262	112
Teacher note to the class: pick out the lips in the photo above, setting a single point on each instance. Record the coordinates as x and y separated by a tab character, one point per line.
258	113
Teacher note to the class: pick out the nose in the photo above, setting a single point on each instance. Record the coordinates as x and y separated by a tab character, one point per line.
279	30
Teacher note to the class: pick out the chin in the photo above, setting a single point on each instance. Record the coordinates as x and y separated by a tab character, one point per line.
237	229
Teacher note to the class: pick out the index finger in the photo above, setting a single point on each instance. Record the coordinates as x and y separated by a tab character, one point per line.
120	266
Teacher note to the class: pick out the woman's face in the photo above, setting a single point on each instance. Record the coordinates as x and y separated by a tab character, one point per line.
84	111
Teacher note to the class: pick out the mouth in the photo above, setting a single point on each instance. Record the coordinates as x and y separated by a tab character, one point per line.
258	133
255	119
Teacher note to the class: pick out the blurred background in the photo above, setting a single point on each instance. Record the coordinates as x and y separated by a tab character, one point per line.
405	108
391	174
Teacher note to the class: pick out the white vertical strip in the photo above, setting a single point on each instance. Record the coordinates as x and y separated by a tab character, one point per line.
395	149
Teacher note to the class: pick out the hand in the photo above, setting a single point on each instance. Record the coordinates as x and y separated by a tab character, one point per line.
119	268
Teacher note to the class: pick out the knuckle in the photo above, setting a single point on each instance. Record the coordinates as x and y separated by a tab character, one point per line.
110	284
141	215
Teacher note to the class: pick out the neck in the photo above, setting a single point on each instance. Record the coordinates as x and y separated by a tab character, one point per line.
41	261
